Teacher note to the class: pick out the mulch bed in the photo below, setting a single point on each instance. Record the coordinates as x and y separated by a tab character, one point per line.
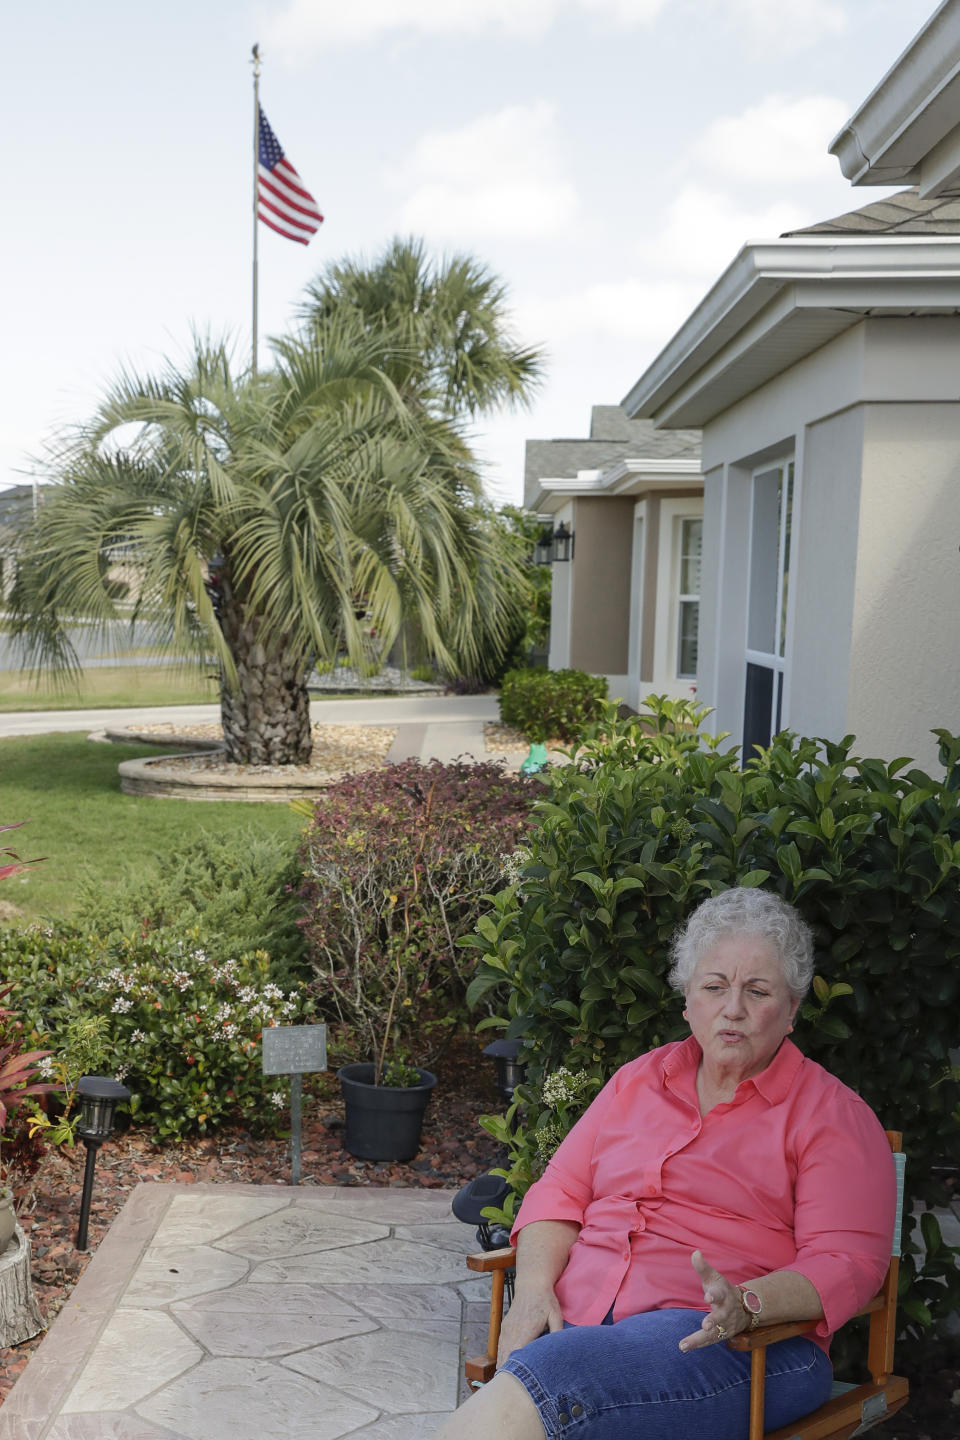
454	1149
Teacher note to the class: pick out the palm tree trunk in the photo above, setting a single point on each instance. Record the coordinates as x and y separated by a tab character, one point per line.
266	718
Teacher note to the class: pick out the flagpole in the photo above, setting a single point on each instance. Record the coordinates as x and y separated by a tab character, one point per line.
256	189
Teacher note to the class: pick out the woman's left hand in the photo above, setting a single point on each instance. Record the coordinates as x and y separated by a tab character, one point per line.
726	1315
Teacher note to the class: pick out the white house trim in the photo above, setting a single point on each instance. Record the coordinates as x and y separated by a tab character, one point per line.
626	477
666	632
637	574
906	131
780	301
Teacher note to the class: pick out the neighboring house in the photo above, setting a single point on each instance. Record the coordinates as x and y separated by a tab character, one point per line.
626	604
16	503
824	371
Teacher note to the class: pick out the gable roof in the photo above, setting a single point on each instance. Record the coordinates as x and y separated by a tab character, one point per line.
903	214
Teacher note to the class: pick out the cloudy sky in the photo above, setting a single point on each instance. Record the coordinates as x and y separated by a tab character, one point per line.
606	157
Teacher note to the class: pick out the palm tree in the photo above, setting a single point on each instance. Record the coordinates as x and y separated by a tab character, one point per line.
265	517
456	360
457	357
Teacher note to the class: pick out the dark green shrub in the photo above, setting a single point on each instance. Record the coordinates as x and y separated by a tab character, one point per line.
576	950
396	863
230	894
551	704
184	1028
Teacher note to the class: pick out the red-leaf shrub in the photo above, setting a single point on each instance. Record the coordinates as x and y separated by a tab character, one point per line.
396	863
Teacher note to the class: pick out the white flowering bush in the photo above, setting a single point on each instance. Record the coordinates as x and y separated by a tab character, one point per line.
186	1031
182	1029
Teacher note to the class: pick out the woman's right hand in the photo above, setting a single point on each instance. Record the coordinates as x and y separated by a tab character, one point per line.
533	1311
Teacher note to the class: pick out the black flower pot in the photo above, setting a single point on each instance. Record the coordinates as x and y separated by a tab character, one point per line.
383	1122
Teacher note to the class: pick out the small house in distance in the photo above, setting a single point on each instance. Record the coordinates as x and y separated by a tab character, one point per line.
824	371
628	503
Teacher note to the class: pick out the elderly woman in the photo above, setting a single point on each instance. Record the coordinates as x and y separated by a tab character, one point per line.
715	1183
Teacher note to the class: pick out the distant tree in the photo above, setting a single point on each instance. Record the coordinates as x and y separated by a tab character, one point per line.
269	520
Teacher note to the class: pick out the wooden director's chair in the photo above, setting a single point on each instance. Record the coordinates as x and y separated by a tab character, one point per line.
851	1409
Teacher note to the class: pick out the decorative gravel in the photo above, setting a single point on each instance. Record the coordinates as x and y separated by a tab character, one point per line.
337	750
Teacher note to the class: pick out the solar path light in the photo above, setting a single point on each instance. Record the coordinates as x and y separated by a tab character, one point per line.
99	1097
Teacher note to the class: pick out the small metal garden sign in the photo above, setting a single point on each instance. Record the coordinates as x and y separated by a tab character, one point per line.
295	1050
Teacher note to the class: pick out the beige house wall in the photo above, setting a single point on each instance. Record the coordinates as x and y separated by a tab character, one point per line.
600	594
904	671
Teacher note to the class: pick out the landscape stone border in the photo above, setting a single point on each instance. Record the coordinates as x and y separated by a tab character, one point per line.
143	737
151	777
155	777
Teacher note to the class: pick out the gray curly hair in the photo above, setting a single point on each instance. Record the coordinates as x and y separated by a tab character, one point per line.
745	911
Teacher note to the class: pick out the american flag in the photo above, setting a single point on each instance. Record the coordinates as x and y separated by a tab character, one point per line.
282	201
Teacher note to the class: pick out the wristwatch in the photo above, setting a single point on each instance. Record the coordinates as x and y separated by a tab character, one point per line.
753	1305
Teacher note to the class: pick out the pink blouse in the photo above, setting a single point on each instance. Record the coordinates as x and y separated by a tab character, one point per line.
794	1173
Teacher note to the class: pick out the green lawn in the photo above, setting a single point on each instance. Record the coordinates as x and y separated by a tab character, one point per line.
109	686
70	790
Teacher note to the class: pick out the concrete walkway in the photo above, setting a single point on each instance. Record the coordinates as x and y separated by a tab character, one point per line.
431	727
250	1312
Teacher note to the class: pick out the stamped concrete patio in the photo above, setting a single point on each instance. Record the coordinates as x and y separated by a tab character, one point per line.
260	1313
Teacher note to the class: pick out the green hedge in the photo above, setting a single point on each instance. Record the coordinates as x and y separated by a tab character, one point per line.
229	894
551	704
632	838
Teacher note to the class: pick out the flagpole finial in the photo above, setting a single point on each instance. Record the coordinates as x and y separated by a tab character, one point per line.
255	52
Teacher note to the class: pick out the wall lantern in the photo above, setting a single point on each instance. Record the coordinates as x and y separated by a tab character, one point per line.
543	550
563	542
99	1097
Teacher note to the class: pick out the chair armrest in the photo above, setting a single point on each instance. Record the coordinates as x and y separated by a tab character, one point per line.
770	1334
789	1329
493	1259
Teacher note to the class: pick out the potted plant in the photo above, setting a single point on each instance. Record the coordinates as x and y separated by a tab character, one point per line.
385	1098
384	1114
395	864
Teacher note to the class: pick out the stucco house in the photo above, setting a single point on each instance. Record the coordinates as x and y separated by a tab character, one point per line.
823	369
625	594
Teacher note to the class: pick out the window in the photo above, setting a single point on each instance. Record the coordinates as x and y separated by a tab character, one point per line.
771	520
688	604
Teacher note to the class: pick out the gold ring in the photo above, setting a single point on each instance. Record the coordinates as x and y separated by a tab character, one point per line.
721	1333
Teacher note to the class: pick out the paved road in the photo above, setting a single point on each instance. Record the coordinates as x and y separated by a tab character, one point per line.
455	710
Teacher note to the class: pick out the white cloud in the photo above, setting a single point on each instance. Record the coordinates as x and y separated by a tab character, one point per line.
783	26
704	229
627	12
306	27
499	175
777	140
630	309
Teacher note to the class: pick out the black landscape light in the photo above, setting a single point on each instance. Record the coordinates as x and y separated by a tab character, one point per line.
510	1072
99	1097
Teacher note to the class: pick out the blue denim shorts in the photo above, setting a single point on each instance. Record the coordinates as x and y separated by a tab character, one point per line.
630	1381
